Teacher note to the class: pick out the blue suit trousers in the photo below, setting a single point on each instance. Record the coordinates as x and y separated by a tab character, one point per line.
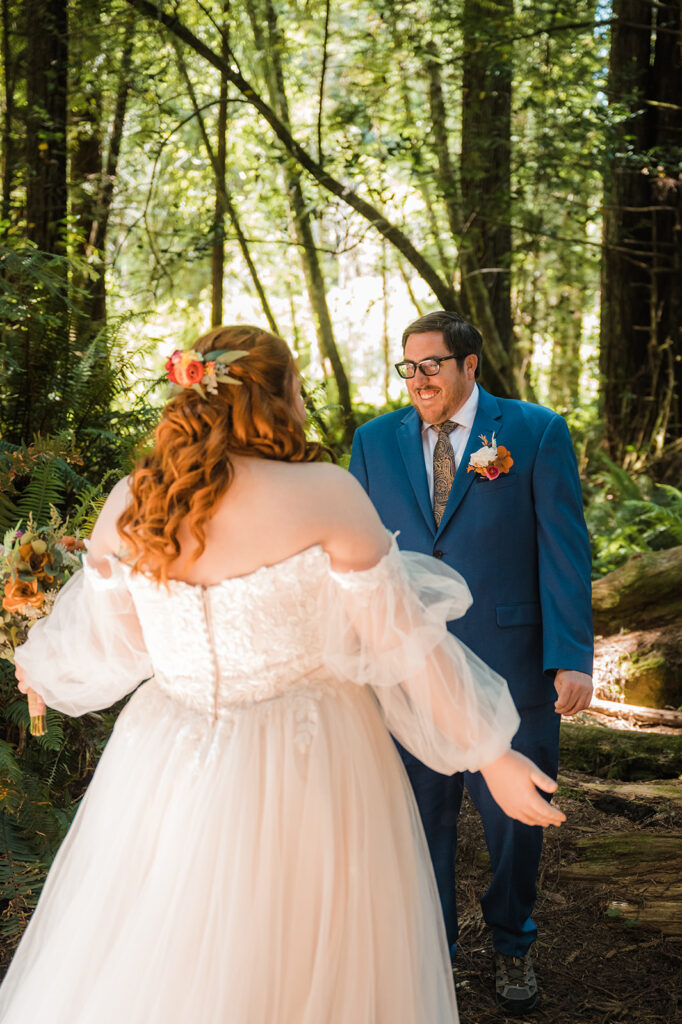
514	848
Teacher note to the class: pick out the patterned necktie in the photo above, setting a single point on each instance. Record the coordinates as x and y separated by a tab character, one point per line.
443	469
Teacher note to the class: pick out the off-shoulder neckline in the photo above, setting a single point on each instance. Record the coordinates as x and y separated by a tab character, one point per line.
316	549
247	576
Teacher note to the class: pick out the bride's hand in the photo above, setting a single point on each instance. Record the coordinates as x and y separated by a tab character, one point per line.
22	684
36	703
512	780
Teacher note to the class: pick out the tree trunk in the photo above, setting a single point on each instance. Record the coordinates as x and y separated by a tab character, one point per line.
46	85
93	175
485	162
496	371
9	147
218	245
641	329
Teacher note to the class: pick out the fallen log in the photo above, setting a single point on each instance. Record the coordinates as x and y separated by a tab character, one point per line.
620	753
636	714
643	666
648	588
642	873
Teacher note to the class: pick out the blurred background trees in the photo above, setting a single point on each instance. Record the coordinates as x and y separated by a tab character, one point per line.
335	169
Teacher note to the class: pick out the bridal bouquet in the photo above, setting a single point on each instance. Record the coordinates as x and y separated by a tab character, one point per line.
34	565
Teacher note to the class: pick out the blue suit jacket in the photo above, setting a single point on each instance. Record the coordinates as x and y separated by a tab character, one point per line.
519	541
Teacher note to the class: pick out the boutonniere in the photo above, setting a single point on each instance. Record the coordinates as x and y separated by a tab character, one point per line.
490	460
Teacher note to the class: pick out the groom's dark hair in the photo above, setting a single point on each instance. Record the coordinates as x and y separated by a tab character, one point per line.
460	337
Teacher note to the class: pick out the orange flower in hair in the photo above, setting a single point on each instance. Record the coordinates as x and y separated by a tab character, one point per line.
191	370
188	373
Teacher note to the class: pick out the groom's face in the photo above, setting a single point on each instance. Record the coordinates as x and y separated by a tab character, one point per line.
438	398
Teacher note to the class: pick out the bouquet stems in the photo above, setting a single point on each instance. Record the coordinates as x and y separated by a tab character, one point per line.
37	711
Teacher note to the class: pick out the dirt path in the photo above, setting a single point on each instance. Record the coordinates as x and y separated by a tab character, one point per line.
593	966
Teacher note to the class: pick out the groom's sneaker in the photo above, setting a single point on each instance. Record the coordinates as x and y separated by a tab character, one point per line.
515	986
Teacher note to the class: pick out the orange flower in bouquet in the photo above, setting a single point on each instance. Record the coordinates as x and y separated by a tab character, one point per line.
34	564
72	543
35	556
22	594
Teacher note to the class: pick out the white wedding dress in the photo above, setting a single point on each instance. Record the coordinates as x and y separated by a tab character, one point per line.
249	850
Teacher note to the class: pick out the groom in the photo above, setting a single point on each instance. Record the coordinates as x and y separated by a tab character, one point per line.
514	528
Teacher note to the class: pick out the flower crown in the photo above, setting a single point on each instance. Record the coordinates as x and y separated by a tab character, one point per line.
191	369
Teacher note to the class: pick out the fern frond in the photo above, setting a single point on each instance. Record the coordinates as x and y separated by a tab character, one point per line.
9	513
45	488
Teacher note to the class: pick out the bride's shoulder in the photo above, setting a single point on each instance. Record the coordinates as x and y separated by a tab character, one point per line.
351	532
322	474
105	539
330	484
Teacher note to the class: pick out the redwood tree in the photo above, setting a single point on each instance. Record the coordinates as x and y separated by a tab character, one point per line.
46	84
641	339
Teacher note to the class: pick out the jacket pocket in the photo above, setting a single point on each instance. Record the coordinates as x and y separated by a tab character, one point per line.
500	483
518	615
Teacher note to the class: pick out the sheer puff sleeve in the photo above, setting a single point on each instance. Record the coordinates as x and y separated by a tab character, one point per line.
385	627
89	652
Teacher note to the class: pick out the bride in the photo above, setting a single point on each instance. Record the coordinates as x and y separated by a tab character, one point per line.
249	850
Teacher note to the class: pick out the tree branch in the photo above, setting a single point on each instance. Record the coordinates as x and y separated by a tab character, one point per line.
323	72
225	196
441	289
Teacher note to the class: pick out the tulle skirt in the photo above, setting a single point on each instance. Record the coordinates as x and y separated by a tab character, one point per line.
268	867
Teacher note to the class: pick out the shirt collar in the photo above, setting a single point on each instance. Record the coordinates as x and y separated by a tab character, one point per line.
465	415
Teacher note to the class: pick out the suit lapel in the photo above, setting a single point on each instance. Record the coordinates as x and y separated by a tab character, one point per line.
488	421
412	451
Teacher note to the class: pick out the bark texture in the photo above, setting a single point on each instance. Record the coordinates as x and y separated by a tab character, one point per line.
46	85
641	330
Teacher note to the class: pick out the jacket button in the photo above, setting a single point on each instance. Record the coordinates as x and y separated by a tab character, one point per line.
437	554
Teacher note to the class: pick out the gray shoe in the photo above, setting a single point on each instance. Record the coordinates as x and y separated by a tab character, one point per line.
515	986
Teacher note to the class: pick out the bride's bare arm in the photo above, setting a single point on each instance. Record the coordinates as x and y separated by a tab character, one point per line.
105	539
352	533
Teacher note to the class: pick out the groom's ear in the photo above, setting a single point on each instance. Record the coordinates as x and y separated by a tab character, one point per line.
470	364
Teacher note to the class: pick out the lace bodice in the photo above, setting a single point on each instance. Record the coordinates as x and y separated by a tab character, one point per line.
294	628
245	639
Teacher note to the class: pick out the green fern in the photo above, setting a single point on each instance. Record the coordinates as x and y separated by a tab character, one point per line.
626	515
44	489
9	513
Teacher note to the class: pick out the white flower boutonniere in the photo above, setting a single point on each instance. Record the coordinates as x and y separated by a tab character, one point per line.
491	460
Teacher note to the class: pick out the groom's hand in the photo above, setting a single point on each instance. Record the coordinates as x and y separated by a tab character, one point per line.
574	691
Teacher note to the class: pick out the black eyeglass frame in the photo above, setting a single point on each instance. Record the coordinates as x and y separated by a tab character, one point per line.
420	366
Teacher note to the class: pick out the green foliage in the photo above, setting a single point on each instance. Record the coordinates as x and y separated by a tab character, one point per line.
42	476
54	386
627	514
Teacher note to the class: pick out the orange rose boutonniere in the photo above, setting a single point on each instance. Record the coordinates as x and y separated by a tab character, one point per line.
491	460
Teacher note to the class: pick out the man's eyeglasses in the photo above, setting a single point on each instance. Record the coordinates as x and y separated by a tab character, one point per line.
429	367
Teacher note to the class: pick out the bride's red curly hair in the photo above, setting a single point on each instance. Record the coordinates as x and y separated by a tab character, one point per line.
189	468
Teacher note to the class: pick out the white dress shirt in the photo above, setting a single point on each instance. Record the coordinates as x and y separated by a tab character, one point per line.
464	418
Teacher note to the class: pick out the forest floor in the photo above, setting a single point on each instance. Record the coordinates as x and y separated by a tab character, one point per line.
593	966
